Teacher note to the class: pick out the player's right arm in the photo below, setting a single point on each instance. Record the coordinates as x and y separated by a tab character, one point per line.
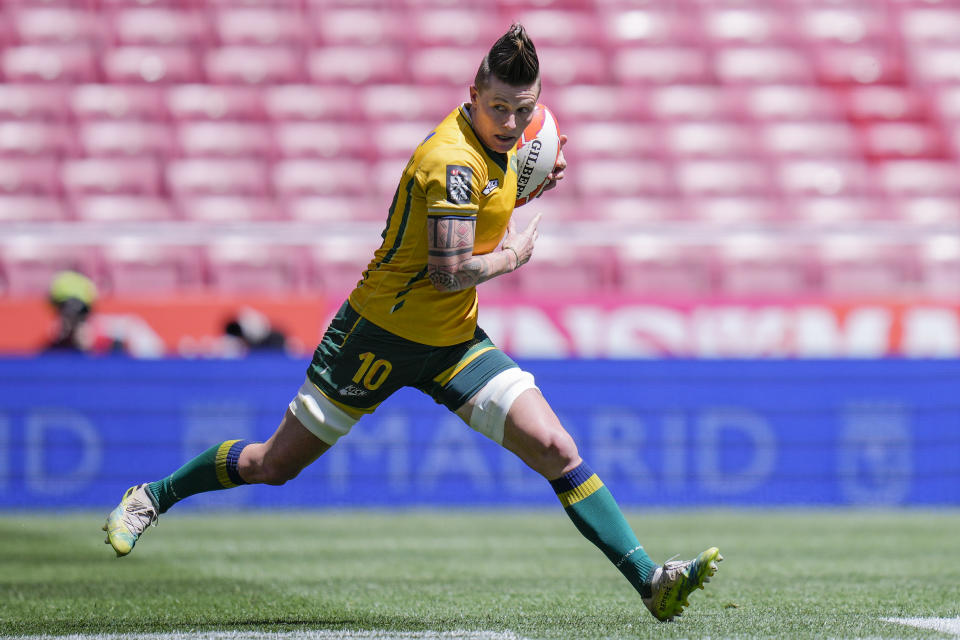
451	265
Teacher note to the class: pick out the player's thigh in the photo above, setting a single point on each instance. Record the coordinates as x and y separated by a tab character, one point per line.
533	432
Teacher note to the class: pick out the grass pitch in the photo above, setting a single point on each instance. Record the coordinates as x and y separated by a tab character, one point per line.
504	574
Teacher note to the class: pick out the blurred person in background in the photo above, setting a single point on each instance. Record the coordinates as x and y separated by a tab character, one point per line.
72	296
412	321
250	330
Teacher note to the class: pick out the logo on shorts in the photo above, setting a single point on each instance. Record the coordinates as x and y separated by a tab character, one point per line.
493	184
352	390
458	183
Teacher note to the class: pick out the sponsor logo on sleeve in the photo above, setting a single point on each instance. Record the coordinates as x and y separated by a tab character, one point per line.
493	184
459	180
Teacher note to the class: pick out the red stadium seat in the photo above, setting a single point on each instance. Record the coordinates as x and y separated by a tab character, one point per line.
692	102
159	26
459	64
209	176
28	208
824	177
106	138
661	65
934	64
122	208
845	212
931	212
359	26
260	26
56	25
335	267
809	139
141	267
939	264
109	101
322	177
36	138
931	25
849	23
359	65
635	212
308	102
454	27
380	102
399	139
23	176
224	139
945	103
238	64
564	27
570	65
858	64
918	177
622	178
661	267
91	176
764	266
885	102
662	24
323	140
132	64
762	65
251	266
613	139
229	209
600	103
751	24
722	177
567	270
34	102
253	65
710	139
50	63
336	209
853	265
214	102
29	265
790	102
725	213
894	140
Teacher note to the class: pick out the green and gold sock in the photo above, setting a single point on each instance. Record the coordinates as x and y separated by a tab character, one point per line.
215	468
596	515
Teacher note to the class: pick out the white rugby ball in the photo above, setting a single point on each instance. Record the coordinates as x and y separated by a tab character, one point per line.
537	153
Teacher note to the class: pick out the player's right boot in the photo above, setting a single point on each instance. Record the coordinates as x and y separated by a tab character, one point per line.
672	584
126	523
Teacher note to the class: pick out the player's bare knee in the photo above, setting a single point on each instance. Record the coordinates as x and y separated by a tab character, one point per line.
556	453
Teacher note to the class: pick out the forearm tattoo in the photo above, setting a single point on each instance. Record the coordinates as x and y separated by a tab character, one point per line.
451	264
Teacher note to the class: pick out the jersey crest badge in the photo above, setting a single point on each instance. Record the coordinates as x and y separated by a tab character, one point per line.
459	180
493	184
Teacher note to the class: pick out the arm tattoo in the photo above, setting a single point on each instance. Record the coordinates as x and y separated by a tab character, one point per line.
451	264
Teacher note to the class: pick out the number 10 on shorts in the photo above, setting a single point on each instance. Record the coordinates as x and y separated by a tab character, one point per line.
372	372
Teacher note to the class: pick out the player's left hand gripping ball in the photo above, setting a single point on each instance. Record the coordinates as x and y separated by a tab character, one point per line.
540	161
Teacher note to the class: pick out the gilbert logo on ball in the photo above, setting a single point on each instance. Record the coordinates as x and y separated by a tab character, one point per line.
537	153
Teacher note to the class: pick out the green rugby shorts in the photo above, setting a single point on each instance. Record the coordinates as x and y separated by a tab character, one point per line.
358	365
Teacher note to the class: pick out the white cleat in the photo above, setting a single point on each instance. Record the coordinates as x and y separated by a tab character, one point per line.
673	583
132	516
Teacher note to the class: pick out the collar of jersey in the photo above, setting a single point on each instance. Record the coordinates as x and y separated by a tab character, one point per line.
499	158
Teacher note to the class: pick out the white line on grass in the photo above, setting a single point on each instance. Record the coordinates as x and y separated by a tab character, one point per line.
289	635
943	625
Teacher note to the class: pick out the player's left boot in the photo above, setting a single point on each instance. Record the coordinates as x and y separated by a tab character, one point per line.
672	584
132	516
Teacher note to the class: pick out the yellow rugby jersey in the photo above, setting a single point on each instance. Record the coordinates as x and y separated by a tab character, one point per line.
450	173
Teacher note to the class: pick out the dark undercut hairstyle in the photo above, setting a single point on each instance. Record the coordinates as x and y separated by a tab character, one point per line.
512	59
